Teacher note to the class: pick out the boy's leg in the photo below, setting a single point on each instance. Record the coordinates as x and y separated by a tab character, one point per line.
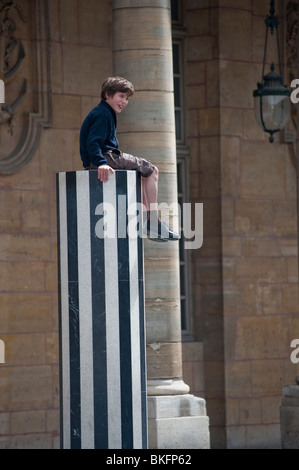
156	229
150	191
150	175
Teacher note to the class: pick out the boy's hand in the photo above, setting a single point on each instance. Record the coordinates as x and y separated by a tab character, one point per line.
103	172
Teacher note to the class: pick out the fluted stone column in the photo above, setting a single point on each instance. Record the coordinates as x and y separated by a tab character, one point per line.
142	53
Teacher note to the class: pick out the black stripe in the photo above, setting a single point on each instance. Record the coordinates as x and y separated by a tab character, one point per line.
142	323
98	318
74	326
125	325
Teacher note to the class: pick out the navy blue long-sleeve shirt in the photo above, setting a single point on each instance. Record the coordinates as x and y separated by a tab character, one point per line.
98	134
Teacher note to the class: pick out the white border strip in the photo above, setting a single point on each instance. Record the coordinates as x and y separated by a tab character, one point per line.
112	318
85	310
134	303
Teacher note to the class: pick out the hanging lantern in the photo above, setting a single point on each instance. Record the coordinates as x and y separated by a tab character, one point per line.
272	104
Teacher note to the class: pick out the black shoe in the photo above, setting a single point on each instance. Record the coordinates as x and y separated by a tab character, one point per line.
160	232
151	234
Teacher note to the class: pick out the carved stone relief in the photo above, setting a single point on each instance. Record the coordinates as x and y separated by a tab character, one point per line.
291	38
25	69
291	14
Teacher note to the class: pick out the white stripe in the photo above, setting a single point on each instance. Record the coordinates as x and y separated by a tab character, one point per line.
134	313
112	318
85	310
65	356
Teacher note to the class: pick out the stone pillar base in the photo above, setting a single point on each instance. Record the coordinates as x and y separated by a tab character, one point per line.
178	422
289	417
166	387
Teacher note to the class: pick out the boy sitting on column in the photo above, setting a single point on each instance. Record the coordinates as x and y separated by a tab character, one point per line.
99	150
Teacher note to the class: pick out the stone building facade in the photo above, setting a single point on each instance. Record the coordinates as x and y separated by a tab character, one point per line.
239	290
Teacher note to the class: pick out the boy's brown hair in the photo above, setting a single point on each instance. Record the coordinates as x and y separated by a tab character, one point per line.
113	85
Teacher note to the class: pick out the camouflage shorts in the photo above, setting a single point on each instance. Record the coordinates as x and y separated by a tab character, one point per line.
124	161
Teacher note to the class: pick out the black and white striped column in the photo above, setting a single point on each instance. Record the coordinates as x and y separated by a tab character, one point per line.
101	290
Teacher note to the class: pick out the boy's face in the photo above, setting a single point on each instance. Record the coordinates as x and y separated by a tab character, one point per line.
118	101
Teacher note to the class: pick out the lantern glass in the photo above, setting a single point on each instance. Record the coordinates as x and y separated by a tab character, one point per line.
272	111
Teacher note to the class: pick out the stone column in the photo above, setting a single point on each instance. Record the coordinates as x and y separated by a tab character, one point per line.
2	47
142	53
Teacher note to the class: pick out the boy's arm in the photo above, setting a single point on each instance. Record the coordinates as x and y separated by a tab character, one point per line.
96	138
103	172
95	141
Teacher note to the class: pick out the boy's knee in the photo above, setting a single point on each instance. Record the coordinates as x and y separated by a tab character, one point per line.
154	175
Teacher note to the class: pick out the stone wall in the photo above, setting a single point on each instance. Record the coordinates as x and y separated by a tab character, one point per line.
245	287
244	278
81	57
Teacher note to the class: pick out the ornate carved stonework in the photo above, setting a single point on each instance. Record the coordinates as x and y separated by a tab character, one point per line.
291	15
291	40
292	10
25	68
11	56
